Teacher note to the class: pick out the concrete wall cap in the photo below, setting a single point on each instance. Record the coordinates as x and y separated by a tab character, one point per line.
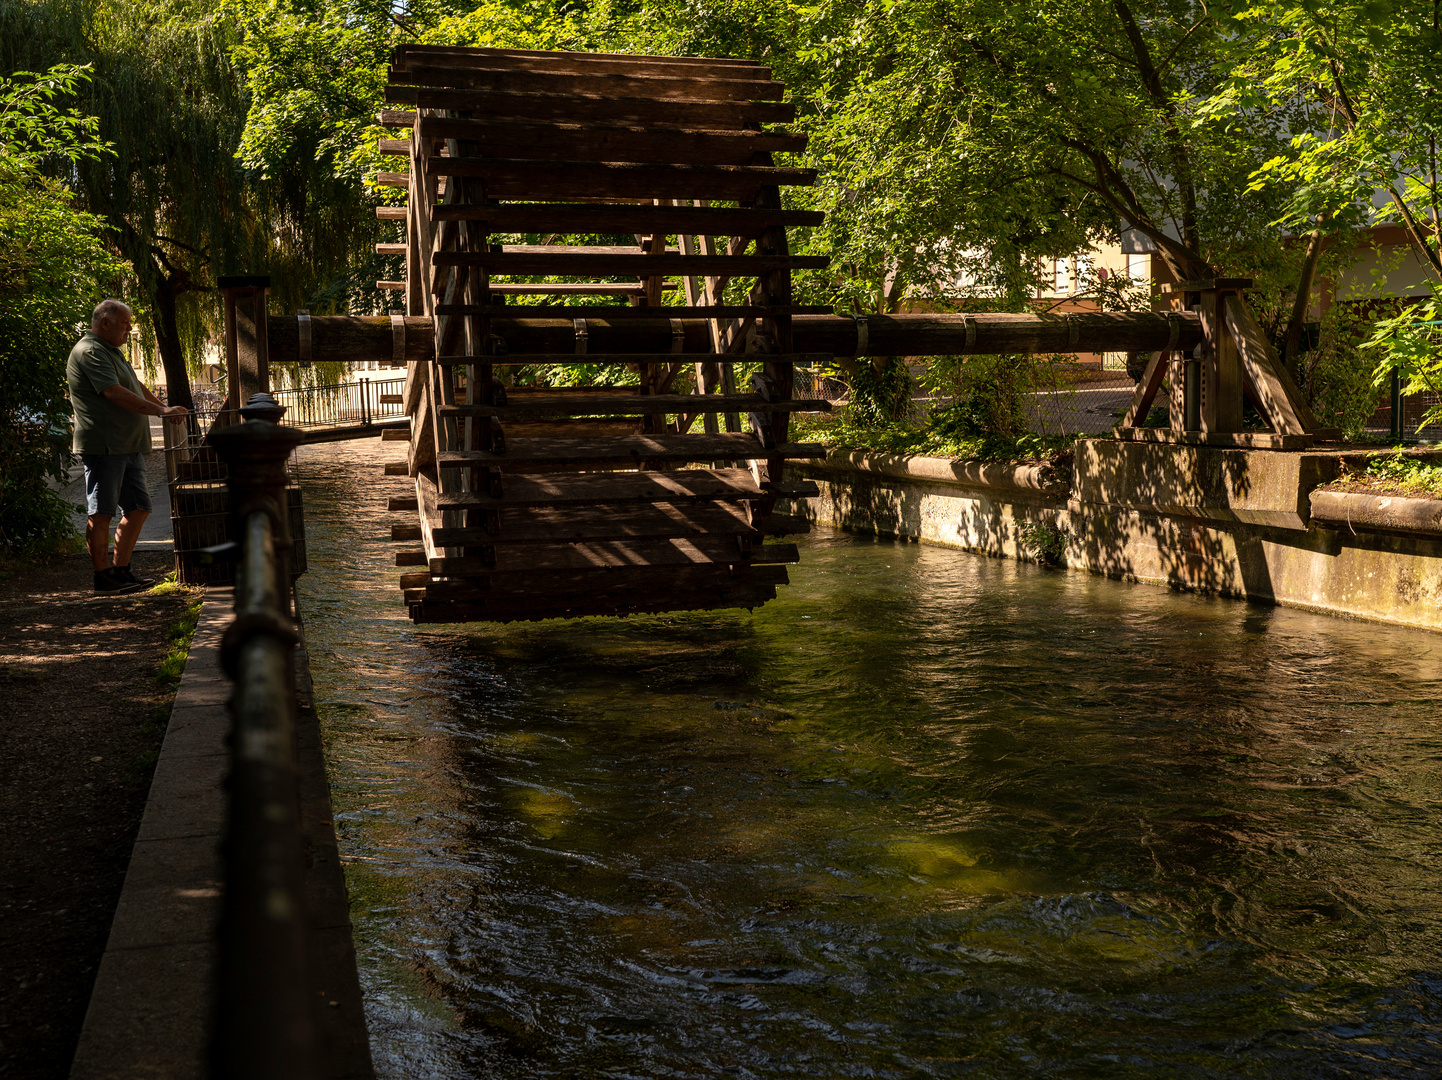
1006	476
1360	512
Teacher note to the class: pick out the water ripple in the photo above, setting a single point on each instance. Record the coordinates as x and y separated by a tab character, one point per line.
927	815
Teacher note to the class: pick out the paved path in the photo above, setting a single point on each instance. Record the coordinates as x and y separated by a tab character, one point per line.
150	1014
150	1010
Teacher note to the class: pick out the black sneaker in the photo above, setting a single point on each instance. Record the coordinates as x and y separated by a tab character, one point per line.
110	583
124	574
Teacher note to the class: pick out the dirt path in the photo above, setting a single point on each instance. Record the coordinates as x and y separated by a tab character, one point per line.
81	721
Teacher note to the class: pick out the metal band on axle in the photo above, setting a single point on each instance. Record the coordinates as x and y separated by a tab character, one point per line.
398	341
970	325
678	336
582	334
863	334
1174	325
302	323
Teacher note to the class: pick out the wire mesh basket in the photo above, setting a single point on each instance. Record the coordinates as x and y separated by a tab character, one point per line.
200	503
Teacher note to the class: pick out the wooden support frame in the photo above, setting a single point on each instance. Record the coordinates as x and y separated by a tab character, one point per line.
1236	361
247	338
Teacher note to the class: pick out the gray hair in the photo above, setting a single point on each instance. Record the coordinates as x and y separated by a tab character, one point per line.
108	309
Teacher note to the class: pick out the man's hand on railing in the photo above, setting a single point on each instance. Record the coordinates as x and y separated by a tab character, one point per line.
175	412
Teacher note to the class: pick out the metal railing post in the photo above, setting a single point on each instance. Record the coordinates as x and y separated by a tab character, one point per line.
365	401
264	1025
1398	422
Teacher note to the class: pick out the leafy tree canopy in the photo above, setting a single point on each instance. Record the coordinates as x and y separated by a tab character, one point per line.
53	269
1366	75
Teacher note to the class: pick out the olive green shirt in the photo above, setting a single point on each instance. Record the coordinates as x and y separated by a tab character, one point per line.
101	426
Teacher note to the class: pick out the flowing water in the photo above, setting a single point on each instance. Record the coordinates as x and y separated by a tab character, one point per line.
927	814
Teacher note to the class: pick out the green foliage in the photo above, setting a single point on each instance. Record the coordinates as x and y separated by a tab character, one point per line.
1337	375
52	269
34	126
178	637
996	396
1410	343
1403	475
961	141
1365	77
988	394
879	396
925	439
314	78
173	198
1332	369
1045	541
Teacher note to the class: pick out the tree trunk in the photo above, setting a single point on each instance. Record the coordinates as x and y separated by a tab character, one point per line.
1293	336
167	342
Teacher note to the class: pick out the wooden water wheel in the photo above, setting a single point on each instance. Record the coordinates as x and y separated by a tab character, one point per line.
543	502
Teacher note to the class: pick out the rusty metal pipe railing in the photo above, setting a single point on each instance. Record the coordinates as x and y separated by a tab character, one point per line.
264	1020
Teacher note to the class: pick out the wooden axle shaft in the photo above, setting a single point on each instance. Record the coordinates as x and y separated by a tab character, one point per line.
363	338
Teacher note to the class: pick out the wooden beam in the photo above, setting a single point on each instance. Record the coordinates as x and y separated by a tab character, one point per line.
701	551
574	288
592	582
724	114
1282	402
1146	391
655	143
575	524
649	404
804	359
626	451
569	249
628	218
519	178
1221	373
948	334
552	78
548	311
597	263
408	54
350	338
532	330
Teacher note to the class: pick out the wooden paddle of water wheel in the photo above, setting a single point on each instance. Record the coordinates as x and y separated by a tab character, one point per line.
539	503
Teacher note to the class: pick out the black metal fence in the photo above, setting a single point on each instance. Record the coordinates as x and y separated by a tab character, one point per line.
264	1023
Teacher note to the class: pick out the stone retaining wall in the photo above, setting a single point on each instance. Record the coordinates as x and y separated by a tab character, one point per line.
1231	522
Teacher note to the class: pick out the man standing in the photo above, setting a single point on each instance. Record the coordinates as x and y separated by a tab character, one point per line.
112	436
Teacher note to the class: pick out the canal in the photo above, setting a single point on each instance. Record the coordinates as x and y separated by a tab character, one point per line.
926	814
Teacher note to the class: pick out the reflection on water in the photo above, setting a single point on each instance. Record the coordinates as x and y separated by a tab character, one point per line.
928	814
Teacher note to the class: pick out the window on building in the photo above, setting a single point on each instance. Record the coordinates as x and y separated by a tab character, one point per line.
1139	267
1061	275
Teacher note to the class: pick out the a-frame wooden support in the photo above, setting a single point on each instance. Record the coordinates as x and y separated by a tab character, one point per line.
1234	362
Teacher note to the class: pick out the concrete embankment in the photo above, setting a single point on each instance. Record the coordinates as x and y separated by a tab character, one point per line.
1243	523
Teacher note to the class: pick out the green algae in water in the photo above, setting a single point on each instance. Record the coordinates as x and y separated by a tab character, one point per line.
968	818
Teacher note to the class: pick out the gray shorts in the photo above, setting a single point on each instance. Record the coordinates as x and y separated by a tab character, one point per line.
114	481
